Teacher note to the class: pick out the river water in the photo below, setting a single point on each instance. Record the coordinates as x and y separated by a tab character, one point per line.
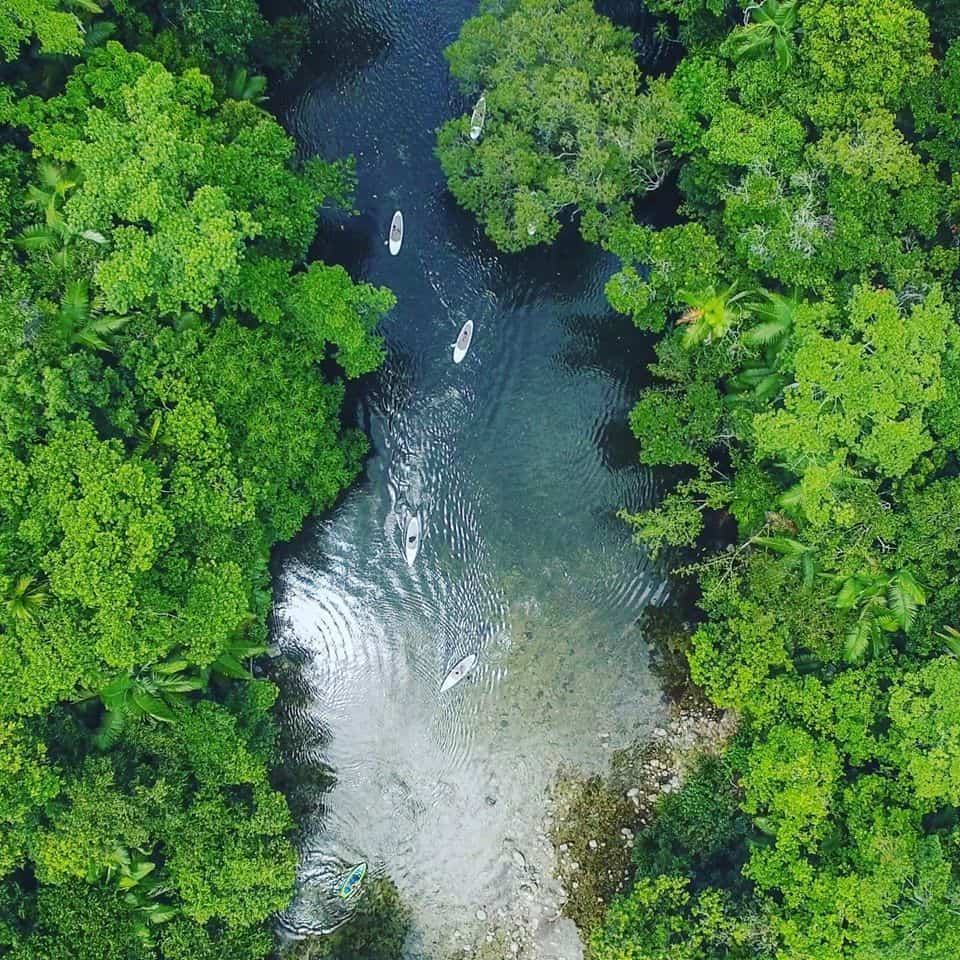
516	462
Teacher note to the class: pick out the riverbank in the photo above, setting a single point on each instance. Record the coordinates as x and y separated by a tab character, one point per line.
594	820
589	824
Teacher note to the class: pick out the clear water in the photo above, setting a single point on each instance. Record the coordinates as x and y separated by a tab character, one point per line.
516	461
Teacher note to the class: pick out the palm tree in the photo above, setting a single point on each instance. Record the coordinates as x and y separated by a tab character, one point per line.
241	86
24	598
54	237
150	440
769	25
760	379
56	182
154	692
886	603
230	663
795	552
78	322
711	314
137	879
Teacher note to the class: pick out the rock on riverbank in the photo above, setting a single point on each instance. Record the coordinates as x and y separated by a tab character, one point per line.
594	819
590	824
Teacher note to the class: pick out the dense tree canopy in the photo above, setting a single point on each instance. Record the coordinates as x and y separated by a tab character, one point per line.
805	394
567	127
54	23
164	419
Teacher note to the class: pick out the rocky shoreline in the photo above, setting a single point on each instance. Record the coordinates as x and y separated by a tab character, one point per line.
589	829
594	820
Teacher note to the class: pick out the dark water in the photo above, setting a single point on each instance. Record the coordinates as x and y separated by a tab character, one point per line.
516	462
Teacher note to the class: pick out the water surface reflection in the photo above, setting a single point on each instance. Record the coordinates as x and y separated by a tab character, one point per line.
516	461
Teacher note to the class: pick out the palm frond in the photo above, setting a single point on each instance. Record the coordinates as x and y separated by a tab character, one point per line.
951	639
94	333
151	705
763	334
75	304
41	199
230	666
856	641
769	386
98	33
242	86
786	546
25	598
904	598
51	174
111	726
37	238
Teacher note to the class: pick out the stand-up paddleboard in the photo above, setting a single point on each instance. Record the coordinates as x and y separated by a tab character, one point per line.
351	885
460	670
411	539
462	345
395	238
476	120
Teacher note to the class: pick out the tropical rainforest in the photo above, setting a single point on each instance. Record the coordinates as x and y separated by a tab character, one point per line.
805	404
170	407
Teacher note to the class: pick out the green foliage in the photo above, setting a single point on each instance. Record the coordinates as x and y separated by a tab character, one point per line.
858	56
817	150
377	929
168	410
167	186
677	427
662	919
56	24
859	399
225	28
658	265
566	129
27	784
924	733
695	830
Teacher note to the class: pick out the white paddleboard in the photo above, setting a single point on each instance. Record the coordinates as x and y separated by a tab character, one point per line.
476	121
395	238
459	671
411	539
462	345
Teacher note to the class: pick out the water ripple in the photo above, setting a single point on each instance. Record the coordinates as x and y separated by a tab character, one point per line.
516	462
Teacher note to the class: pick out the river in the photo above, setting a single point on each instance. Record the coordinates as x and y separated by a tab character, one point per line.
516	462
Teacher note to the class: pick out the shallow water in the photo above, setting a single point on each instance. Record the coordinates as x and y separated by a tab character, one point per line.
515	461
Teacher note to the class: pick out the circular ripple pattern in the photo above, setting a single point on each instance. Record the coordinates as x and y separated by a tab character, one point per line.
516	462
